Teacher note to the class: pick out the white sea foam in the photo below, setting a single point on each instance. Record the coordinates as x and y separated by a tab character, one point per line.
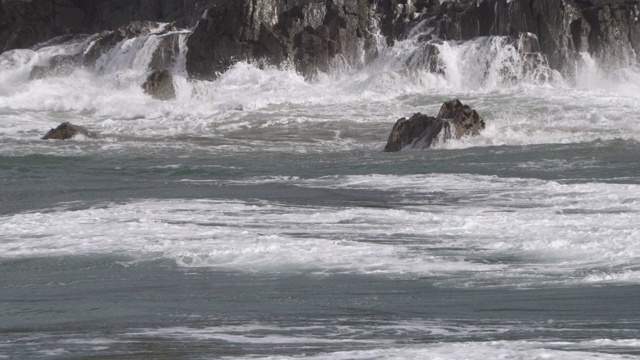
356	337
584	232
263	105
516	350
491	230
275	336
315	332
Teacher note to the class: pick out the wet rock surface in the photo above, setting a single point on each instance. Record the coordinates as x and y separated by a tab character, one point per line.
609	30
319	35
159	85
66	131
420	131
308	35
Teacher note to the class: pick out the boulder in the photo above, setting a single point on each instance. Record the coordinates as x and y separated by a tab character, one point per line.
461	118
420	131
67	130
159	85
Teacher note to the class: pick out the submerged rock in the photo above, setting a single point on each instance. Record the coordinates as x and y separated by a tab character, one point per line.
66	131
420	131
159	85
38	72
59	65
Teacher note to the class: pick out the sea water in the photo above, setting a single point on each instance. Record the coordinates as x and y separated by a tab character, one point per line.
256	216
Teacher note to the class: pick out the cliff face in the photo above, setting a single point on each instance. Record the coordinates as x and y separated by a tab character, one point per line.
608	30
307	34
314	35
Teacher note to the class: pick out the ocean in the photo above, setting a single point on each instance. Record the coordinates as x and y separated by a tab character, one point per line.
257	217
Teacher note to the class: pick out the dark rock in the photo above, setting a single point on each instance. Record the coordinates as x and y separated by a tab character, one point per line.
167	52
606	29
67	130
159	85
38	72
463	119
420	131
307	34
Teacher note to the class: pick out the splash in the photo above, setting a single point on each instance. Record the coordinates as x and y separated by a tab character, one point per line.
511	85
591	76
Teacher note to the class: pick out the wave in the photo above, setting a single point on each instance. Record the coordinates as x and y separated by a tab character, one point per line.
523	100
461	230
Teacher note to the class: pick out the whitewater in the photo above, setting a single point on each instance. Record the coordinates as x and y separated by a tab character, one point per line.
257	216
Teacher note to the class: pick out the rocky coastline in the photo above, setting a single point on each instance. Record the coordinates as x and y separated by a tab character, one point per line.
317	36
314	35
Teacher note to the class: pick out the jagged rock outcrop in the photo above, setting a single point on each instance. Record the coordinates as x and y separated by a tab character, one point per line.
306	34
66	131
498	59
314	35
464	120
159	85
609	30
420	131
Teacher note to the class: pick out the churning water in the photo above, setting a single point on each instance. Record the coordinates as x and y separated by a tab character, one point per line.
256	216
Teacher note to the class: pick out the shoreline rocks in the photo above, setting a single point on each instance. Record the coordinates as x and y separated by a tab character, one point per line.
308	35
420	131
66	131
607	30
159	85
319	35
